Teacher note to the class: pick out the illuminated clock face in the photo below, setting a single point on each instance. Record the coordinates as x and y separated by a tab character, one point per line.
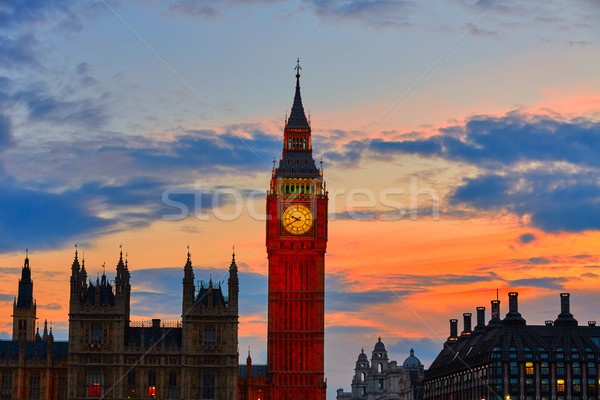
297	219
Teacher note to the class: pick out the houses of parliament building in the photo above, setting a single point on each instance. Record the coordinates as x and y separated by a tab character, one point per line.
109	356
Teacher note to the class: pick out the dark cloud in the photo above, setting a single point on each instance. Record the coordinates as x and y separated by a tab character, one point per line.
377	13
17	52
527	238
500	141
556	202
33	218
208	149
50	306
6	136
43	107
545	283
559	191
6	297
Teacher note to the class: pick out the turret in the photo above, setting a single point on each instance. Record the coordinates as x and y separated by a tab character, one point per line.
122	285
233	286
248	365
24	307
188	285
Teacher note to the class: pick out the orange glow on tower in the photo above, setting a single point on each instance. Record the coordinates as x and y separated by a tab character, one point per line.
296	245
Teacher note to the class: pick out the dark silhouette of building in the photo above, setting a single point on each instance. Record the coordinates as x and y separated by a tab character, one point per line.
509	359
296	245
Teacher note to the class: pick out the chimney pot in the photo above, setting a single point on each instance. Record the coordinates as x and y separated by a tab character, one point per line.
591	323
549	323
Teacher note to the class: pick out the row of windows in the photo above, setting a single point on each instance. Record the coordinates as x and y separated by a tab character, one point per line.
207	383
33	390
295	143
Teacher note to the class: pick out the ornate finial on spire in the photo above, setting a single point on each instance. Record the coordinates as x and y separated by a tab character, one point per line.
121	254
76	250
103	269
27	253
362	349
233	246
380	338
248	351
298	68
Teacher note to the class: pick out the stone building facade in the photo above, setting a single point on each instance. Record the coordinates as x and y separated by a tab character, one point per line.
383	379
108	356
32	366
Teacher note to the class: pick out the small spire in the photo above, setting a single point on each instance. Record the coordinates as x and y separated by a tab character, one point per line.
104	267
233	247
248	351
121	254
27	253
380	338
362	349
45	336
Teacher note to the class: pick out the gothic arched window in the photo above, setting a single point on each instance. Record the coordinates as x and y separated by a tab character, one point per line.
210	337
96	334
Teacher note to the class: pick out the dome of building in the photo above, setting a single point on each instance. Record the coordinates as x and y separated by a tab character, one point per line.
362	356
379	346
412	362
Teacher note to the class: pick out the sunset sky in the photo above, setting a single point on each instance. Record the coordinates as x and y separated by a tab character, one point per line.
488	111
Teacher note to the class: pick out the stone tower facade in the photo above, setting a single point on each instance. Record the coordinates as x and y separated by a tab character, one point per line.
296	245
24	307
113	358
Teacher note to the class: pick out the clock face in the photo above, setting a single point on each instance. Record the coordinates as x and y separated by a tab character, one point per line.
297	219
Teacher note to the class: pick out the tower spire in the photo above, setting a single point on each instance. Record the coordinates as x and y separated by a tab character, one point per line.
297	119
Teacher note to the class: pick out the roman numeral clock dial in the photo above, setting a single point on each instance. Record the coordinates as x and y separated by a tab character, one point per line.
297	219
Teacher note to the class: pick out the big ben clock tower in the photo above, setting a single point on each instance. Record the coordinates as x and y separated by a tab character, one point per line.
296	244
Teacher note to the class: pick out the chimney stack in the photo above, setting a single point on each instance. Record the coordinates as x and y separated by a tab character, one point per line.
453	330
591	323
513	317
480	327
565	318
466	324
495	321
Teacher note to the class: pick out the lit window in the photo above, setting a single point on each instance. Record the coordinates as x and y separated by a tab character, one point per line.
95	381
529	368
560	385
